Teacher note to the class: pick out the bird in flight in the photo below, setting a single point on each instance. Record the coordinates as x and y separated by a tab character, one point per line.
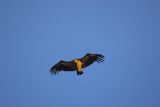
77	64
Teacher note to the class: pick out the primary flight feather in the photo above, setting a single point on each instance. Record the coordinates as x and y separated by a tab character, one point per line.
77	64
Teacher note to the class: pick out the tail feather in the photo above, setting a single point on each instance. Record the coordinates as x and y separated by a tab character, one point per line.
79	72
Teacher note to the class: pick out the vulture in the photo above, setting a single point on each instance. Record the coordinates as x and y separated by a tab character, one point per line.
77	64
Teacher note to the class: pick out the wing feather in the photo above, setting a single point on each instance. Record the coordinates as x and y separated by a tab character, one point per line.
89	59
63	66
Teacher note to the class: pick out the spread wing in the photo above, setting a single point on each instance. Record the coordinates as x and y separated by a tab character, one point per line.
88	59
63	66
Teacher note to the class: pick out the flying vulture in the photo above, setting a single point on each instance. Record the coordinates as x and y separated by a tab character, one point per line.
77	64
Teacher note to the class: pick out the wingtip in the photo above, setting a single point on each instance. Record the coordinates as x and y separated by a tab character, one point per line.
100	58
53	71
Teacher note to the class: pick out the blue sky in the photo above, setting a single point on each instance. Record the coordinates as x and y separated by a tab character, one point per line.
36	34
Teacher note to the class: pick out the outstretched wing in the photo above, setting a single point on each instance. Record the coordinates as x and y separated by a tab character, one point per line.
88	59
63	66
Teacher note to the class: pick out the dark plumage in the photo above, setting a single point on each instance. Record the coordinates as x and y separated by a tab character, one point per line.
77	64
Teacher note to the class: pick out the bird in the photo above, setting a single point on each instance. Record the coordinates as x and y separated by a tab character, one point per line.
77	64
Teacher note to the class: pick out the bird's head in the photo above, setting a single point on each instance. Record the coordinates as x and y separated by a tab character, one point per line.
75	60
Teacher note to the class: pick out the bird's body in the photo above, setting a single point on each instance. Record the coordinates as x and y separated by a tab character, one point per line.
77	64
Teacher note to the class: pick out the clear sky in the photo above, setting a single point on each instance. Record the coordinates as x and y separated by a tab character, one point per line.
36	34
